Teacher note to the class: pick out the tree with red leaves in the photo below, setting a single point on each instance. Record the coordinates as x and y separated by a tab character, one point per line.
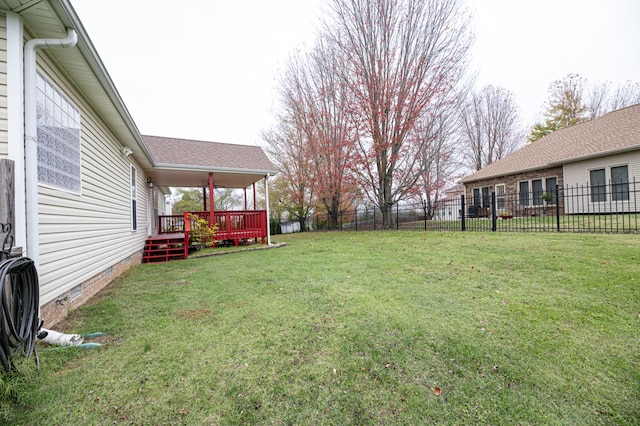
287	148
319	104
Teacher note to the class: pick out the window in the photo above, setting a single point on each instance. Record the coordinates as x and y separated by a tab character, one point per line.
598	186
523	194
550	185
486	198
58	135
476	197
154	196
543	191
501	197
620	183
538	192
134	210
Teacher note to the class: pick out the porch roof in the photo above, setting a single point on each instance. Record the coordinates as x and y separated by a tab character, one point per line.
187	163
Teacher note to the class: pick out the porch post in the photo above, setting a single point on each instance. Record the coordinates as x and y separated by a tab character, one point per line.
255	205
245	198
266	201
212	206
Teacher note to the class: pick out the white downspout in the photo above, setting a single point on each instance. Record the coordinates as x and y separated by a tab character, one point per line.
266	200
31	132
15	121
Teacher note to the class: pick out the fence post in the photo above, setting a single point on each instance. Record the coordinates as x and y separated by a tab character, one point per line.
462	211
356	215
494	216
374	218
424	210
558	209
397	216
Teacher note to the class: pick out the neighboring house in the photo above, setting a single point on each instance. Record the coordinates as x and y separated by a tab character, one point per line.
88	186
448	206
595	164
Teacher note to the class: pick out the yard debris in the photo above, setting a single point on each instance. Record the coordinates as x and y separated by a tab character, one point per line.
56	338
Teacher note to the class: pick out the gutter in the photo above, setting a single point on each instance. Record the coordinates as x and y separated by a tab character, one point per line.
166	166
31	135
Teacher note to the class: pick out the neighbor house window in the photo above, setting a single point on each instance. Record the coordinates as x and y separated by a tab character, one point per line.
476	197
620	183
501	197
486	198
537	195
523	194
550	185
58	134
598	185
134	196
537	190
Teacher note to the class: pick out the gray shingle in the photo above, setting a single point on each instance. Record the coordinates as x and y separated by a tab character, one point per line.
613	132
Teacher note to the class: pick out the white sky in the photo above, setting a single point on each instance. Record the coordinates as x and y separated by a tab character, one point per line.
206	69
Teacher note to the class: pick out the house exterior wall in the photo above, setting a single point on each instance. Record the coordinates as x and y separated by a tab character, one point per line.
577	179
511	183
85	237
4	146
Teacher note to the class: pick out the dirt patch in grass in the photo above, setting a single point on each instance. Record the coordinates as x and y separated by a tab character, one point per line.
194	314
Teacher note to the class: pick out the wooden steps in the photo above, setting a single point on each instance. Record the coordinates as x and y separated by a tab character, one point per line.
163	248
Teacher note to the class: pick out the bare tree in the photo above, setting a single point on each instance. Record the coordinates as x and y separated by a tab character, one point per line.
398	55
489	126
603	98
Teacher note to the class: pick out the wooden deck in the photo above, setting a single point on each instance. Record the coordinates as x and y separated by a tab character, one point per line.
233	226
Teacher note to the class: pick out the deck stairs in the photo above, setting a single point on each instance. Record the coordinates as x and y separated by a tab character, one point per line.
163	248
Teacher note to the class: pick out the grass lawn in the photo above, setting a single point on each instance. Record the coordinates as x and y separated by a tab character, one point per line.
357	328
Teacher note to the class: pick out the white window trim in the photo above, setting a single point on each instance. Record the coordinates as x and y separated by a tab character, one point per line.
607	181
133	185
530	184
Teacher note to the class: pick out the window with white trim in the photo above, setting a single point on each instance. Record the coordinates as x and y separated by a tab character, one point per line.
58	136
134	196
501	197
481	197
538	192
619	181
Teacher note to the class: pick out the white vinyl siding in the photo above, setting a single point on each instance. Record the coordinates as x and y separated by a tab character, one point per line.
4	137
82	235
577	178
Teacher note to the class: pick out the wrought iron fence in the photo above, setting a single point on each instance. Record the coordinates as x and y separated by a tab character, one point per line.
612	208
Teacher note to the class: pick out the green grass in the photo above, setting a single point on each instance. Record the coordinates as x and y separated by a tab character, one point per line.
358	328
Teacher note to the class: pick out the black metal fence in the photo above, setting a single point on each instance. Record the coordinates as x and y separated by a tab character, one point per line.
606	208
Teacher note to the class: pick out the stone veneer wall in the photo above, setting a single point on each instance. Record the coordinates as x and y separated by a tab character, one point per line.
511	182
55	310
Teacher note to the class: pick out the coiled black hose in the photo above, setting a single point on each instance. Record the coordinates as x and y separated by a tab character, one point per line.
19	322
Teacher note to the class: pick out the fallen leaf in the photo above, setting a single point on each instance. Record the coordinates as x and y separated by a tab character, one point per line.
183	411
436	391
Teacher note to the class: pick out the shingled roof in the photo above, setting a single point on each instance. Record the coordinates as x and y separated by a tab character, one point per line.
233	165
615	132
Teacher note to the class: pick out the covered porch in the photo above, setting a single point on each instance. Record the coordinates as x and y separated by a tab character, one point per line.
207	165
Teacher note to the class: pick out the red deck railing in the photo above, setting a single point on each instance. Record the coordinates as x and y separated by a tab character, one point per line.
233	225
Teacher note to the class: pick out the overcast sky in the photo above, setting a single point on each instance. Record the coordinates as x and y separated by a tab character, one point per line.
206	70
